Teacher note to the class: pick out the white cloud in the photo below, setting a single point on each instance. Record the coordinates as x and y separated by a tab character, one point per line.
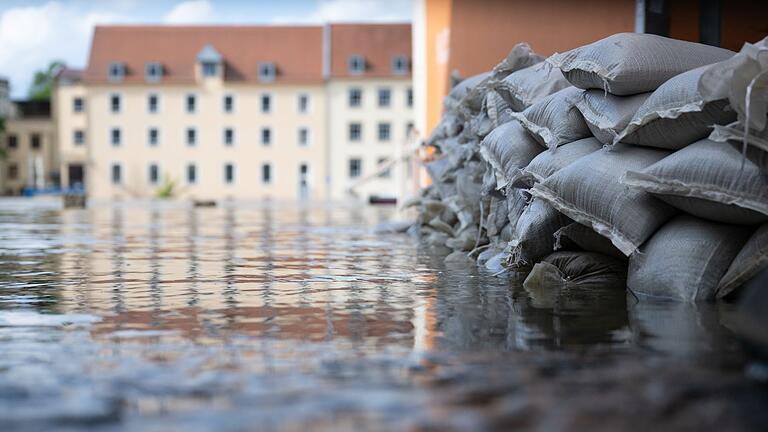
354	10
190	12
33	36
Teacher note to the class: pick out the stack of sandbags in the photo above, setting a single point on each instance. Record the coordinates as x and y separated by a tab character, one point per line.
602	152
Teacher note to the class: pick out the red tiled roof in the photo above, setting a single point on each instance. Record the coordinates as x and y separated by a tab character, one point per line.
377	43
296	51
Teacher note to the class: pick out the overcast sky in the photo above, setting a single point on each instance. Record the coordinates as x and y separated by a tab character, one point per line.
33	33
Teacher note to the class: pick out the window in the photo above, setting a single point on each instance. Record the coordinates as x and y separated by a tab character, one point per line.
153	137
355	168
191	103
191	137
385	97
386	173
356	64
229	103
13	142
267	72
153	72
13	171
409	97
384	131
266	173
152	103
229	136
400	65
303	137
114	103
115	137
116	72
355	131
408	129
210	69
154	174
303	103
355	97
266	136
78	105
191	173
117	175
36	141
266	103
229	173
78	137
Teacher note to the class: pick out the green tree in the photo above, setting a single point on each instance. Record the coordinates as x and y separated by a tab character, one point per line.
42	82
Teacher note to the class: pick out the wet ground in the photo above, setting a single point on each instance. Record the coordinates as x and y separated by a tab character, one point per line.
157	316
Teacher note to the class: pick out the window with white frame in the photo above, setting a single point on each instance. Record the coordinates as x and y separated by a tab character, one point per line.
267	72
191	103
191	137
229	173
355	132
384	131
114	103
78	105
210	69
78	137
191	173
356	64
355	97
154	174
303	103
266	173
266	136
355	167
266	103
229	103
153	103
115	137
116	72
153	137
409	97
385	97
116	173
229	137
153	72
399	65
303	136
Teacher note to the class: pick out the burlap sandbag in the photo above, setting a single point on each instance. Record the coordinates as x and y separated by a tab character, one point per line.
525	87
586	239
555	120
549	162
752	259
589	192
508	148
676	114
606	114
685	259
710	180
631	63
534	234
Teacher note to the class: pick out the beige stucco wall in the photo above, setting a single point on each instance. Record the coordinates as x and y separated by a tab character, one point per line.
210	154
369	149
67	122
24	156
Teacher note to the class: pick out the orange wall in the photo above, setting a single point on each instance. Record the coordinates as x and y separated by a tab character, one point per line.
483	31
438	22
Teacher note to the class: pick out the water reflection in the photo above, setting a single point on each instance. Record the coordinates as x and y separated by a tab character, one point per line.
223	301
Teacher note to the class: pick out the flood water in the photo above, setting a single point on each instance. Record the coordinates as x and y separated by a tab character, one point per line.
158	316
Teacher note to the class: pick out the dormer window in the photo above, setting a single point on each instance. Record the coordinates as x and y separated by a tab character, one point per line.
400	65
116	72
267	72
210	62
210	69
356	64
153	72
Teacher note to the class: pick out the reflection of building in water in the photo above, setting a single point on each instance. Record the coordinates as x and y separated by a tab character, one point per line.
261	271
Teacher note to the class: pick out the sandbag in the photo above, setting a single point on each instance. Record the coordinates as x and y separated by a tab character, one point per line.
527	86
534	234
586	239
685	259
582	274
589	191
549	162
752	259
676	114
733	77
735	132
707	179
555	120
608	115
497	108
631	63
507	149
517	201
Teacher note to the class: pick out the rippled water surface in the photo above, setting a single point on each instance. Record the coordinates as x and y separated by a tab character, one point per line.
158	316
